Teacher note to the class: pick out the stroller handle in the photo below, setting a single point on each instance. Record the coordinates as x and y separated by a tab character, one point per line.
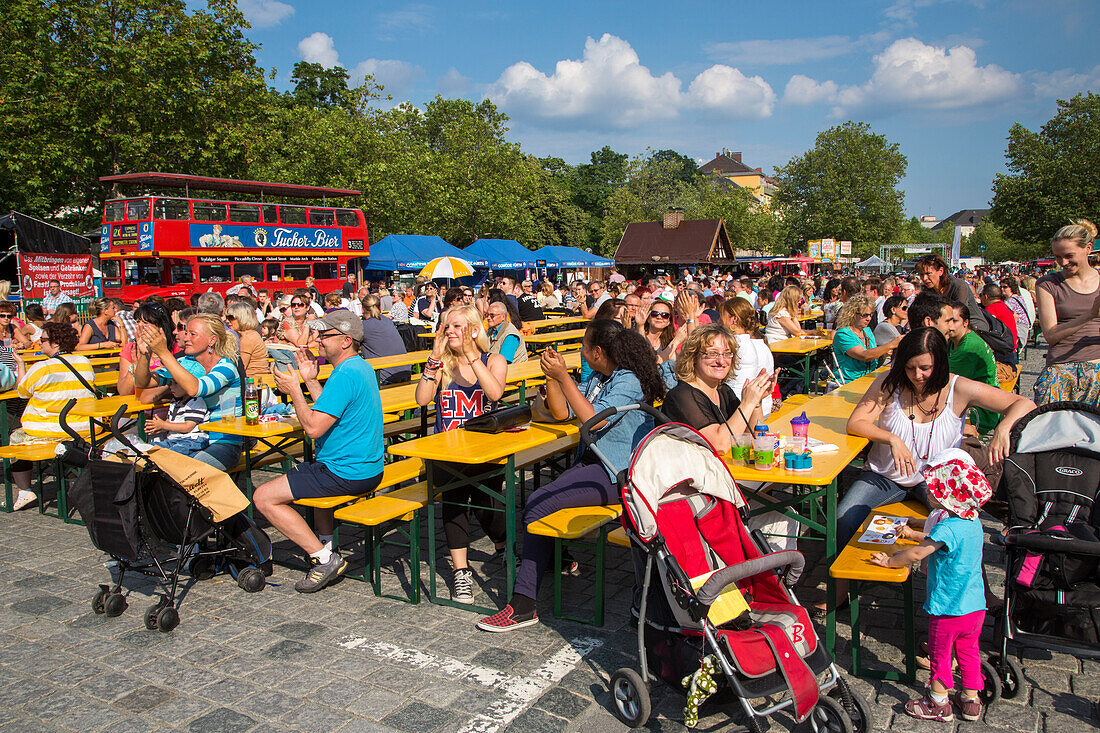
117	433
64	422
715	584
586	427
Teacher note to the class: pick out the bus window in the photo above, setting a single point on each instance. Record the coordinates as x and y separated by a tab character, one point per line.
115	211
173	209
214	273
322	217
112	274
244	213
255	269
182	274
137	210
346	218
270	213
205	211
274	270
142	272
296	271
325	270
292	215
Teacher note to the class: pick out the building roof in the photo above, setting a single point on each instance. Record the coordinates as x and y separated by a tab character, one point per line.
728	163
693	241
964	218
204	183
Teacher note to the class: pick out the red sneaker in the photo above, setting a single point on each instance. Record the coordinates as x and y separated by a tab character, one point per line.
506	620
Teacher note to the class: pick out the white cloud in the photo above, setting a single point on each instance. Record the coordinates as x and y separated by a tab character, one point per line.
395	76
453	83
414	17
265	13
319	48
780	51
1064	83
609	87
802	91
725	90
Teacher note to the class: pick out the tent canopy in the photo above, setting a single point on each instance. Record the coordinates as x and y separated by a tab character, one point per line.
874	262
502	254
414	251
34	235
560	257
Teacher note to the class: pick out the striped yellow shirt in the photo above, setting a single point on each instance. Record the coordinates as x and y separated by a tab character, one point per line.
48	385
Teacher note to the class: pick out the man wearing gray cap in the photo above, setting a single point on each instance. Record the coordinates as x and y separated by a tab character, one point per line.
345	424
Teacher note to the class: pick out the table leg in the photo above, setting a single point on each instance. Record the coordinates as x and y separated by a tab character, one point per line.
4	432
830	556
430	480
910	631
7	486
853	595
806	374
510	525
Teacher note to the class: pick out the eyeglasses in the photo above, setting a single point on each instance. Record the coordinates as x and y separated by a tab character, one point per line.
297	305
325	334
5	315
866	315
718	356
660	314
595	289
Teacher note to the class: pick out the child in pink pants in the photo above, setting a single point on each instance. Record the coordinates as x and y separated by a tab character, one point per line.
955	602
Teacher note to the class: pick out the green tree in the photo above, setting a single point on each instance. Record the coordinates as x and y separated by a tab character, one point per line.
845	187
687	165
316	86
97	87
1053	174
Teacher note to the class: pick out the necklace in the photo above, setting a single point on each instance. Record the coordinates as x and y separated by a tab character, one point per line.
934	412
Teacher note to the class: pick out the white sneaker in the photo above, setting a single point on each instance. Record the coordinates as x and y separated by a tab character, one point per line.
24	500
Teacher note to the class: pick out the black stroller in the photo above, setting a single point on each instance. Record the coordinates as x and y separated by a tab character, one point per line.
1052	549
127	503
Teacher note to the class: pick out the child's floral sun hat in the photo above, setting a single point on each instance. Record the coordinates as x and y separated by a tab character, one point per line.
957	484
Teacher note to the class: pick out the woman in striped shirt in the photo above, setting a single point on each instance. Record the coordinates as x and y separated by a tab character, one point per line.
206	341
48	385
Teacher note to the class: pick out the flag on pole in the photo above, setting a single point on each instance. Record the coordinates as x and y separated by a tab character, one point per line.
955	244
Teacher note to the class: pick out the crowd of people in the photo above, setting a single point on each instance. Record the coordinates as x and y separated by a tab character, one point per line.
697	343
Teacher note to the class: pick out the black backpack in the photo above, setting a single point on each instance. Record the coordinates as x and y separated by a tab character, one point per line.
999	339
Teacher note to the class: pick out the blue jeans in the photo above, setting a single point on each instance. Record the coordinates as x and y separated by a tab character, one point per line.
221	455
868	492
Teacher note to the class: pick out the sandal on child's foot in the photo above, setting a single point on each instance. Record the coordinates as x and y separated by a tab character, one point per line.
925	708
970	708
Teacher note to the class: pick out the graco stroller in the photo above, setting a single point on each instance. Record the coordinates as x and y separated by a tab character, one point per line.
723	595
1052	549
125	506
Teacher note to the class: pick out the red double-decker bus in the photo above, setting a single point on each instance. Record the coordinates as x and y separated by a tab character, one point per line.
175	246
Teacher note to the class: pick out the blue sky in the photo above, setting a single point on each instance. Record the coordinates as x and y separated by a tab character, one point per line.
945	79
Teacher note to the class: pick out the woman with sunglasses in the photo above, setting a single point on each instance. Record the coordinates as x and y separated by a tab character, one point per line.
294	330
658	328
9	330
154	314
854	344
897	315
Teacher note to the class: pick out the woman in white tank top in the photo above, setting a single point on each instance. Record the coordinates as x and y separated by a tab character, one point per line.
912	413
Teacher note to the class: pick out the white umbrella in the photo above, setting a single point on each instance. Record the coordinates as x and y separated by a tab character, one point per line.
447	267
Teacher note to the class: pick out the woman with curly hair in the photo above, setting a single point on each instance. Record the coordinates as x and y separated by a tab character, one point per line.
464	380
854	342
624	372
48	385
1069	314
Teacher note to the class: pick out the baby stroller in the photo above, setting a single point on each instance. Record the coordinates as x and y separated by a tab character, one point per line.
1052	549
126	503
682	509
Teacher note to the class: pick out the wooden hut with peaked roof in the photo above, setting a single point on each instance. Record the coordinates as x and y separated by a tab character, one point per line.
675	241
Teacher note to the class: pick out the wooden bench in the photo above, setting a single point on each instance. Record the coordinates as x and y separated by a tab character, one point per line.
570	525
372	513
854	565
35	453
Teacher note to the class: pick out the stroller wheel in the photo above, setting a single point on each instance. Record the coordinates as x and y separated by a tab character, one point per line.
115	604
251	580
992	691
854	704
150	617
202	568
630	697
100	598
168	618
828	717
1011	678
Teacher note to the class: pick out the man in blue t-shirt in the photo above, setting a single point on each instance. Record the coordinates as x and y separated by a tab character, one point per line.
345	424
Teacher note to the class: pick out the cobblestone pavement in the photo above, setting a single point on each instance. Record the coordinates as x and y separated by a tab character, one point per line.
345	660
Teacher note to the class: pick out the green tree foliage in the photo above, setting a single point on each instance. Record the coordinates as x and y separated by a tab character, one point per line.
316	86
1053	174
98	87
999	247
657	182
845	187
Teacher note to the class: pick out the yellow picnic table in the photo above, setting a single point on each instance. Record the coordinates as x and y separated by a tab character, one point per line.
554	323
803	349
30	356
277	437
100	411
555	338
811	315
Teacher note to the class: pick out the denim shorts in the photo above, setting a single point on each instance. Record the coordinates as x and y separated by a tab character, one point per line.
314	480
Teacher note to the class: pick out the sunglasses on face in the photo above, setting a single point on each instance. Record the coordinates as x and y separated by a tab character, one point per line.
865	315
660	314
297	305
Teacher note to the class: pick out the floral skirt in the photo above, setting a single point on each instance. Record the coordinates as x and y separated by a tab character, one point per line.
1076	380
